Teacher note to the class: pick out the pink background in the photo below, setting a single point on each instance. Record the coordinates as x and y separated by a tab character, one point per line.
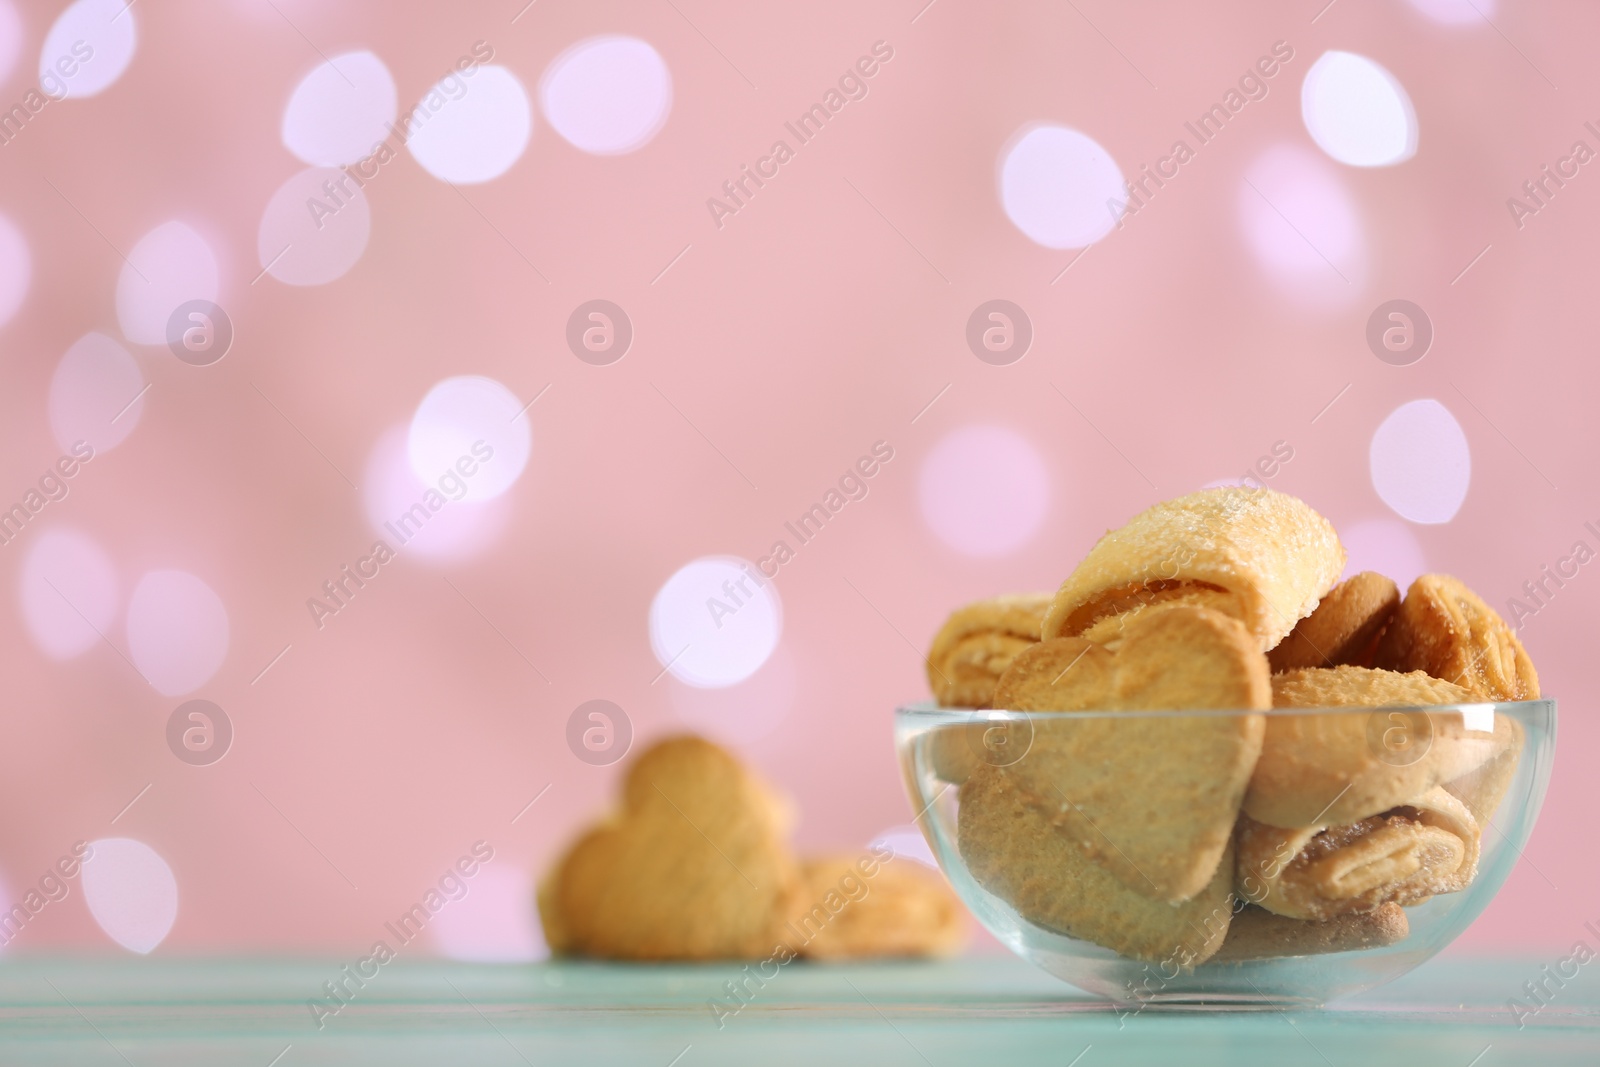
823	317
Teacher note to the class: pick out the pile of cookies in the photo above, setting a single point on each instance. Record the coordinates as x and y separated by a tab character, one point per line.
696	865
1228	835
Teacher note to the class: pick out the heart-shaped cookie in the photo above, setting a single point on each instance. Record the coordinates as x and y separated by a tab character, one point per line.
694	866
1152	798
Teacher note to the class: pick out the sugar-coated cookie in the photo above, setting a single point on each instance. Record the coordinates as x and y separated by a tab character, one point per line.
978	642
1152	798
1403	856
1446	629
1012	852
1269	556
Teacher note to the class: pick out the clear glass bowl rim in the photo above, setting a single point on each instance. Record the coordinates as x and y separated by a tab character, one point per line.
928	713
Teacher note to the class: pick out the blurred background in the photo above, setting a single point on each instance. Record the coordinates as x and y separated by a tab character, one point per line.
529	293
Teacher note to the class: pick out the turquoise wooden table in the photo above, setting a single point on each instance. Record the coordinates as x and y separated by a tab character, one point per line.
990	1010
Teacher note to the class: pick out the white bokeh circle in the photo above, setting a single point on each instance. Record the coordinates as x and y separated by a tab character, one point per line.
177	631
130	891
1456	12
95	394
16	269
1420	462
171	265
456	529
607	95
493	922
715	622
1358	112
1387	546
341	111
475	135
68	592
314	228
740	714
984	490
1060	187
87	48
466	417
1303	226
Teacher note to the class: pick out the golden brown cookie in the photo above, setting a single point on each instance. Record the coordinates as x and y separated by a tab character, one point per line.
1257	934
1403	856
694	866
1340	767
1344	628
1152	798
1446	629
1266	556
879	908
977	643
1335	768
1011	851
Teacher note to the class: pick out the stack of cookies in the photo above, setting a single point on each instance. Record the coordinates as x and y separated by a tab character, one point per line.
1225	834
695	864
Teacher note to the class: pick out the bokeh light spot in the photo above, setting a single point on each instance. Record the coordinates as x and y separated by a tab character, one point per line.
984	490
392	491
476	419
131	892
68	592
341	111
474	133
1057	185
95	394
314	228
607	95
1421	465
88	47
169	266
1303	226
715	622
1357	111
177	631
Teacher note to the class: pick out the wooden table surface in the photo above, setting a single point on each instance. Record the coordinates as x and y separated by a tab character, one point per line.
987	1010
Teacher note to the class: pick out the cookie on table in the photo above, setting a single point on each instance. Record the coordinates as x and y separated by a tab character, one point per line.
694	866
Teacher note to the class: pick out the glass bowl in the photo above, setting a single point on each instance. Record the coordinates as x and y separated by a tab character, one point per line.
1128	772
